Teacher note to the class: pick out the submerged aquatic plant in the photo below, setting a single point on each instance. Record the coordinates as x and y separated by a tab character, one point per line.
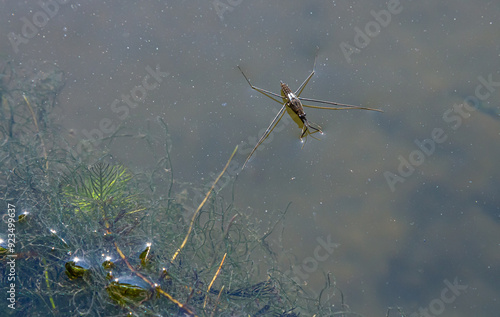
97	187
101	192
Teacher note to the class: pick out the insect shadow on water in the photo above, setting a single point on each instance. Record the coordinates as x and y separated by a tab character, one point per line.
293	101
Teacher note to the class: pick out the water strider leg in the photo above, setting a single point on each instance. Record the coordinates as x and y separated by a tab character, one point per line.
266	93
304	84
269	129
343	106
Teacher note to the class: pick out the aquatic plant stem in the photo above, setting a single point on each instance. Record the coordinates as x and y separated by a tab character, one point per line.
213	279
47	281
44	151
169	162
217	302
200	206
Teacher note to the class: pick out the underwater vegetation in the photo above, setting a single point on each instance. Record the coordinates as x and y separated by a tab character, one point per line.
84	235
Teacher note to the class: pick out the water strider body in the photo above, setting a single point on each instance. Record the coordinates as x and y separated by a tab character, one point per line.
294	102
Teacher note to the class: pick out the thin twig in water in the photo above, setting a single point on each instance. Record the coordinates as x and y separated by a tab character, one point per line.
200	206
213	279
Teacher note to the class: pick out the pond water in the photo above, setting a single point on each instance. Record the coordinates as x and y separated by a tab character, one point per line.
401	207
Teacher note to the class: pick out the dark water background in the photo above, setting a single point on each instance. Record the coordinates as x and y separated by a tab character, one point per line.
397	246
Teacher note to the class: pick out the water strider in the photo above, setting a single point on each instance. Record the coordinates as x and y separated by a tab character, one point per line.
293	101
